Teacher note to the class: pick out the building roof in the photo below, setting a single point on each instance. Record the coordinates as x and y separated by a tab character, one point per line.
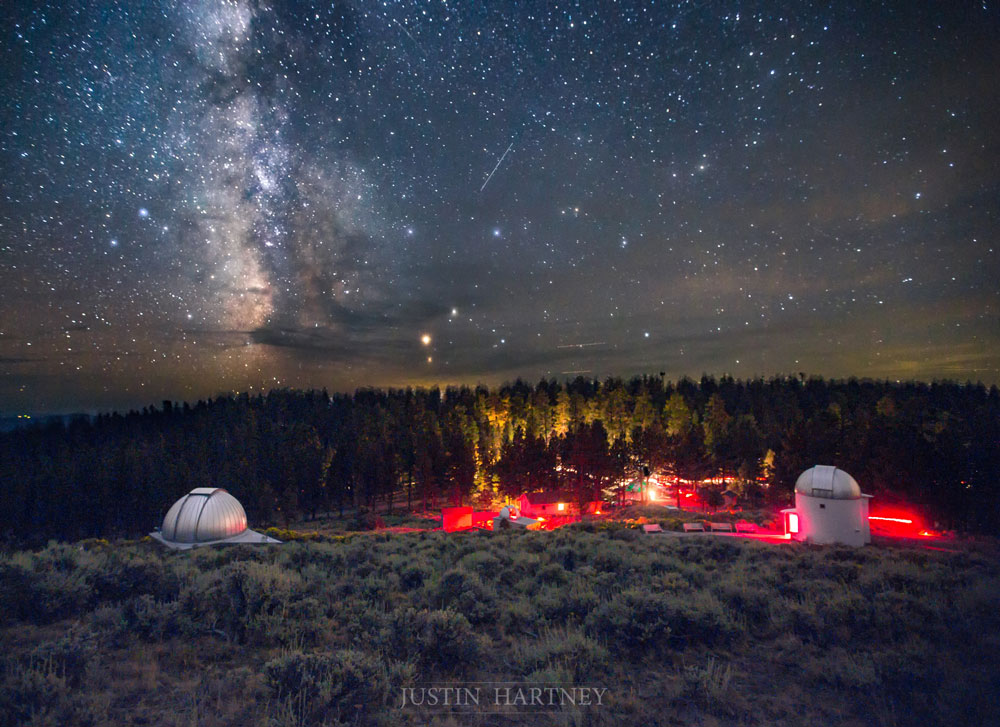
504	519
829	482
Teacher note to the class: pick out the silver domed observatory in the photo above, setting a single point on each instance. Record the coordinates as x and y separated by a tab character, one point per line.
829	508
207	516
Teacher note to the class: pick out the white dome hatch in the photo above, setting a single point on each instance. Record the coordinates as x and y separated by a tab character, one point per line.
829	482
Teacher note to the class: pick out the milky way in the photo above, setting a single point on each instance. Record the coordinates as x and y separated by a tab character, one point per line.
204	196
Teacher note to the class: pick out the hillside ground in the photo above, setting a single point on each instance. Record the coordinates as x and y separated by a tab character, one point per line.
679	631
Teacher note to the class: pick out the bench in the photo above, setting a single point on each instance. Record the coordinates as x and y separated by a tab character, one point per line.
744	527
721	527
651	528
694	527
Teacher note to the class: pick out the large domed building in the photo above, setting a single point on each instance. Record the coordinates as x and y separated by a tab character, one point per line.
829	508
207	516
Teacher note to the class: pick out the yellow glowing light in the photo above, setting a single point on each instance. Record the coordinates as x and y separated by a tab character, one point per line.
426	339
561	506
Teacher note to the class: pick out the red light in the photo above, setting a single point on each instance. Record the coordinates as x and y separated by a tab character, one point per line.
899	522
793	522
891	519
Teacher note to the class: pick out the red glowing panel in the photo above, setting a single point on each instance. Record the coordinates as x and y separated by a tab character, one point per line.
456	518
793	522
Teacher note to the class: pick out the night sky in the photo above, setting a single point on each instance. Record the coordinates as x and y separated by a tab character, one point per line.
201	196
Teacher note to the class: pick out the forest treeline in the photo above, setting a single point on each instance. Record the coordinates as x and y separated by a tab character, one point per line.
289	454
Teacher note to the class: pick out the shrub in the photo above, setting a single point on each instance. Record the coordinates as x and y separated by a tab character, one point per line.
45	687
634	619
571	603
17	592
750	600
413	576
638	618
46	596
379	587
339	688
68	657
710	684
481	562
245	600
291	536
442	640
551	574
563	647
365	520
517	615
123	575
838	667
466	593
36	694
153	620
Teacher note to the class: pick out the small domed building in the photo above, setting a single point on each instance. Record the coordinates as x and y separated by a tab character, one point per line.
829	508
508	517
207	516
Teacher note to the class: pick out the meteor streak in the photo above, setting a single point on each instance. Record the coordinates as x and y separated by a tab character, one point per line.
496	167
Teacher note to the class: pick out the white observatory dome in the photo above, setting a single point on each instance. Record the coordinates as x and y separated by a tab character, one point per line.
829	482
204	515
207	516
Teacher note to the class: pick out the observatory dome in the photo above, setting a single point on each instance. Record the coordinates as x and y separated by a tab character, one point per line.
829	482
204	515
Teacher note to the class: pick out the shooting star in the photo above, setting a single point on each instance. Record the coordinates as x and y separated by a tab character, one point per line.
409	35
496	167
582	345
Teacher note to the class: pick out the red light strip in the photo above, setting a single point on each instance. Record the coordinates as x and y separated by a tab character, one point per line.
891	519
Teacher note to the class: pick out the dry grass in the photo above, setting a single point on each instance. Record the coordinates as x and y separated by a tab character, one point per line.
699	631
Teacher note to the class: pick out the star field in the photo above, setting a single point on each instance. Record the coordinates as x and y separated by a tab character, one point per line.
205	196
